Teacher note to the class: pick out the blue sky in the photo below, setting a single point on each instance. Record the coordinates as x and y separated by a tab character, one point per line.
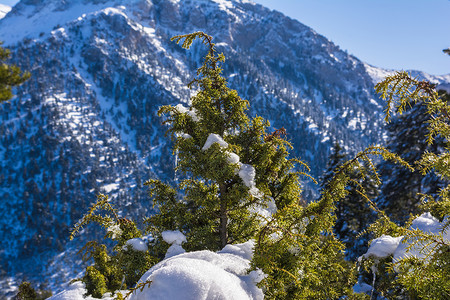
395	34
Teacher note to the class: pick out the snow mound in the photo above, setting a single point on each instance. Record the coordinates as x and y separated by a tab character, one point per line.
203	275
214	138
174	250
191	276
244	250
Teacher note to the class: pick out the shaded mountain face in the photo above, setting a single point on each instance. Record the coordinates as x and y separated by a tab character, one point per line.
86	122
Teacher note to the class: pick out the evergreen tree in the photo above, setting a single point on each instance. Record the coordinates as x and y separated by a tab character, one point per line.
239	184
336	159
10	75
401	190
117	268
242	185
353	213
27	292
425	274
237	173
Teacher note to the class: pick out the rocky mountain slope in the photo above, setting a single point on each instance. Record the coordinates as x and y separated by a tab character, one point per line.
86	121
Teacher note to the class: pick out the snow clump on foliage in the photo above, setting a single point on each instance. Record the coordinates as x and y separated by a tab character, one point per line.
137	244
115	229
190	112
428	224
175	238
233	158
214	138
383	246
386	245
247	174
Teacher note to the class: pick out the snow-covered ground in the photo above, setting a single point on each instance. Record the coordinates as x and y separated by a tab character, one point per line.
192	275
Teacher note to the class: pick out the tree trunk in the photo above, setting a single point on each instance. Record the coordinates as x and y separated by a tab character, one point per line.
223	217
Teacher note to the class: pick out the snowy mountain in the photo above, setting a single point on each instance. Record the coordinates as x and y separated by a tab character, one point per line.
378	74
86	121
4	9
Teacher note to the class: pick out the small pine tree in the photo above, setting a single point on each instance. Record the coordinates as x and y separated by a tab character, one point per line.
10	75
27	292
236	171
240	184
120	267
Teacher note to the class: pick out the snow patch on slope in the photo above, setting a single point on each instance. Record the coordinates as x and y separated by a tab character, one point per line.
377	74
4	9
